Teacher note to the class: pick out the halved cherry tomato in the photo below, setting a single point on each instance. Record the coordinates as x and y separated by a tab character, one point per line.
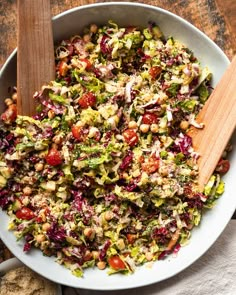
149	118
10	114
63	68
87	62
223	166
116	263
131	137
53	157
155	71
78	133
87	100
151	166
25	213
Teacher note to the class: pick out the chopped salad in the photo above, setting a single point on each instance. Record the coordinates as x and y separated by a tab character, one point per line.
105	175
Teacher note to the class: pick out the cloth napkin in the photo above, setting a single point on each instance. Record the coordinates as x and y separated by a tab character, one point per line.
213	274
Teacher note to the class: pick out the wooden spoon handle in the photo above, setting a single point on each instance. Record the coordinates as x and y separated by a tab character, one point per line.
35	54
219	118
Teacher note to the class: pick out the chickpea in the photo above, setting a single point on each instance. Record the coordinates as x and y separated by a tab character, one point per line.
46	226
108	215
101	265
144	128
89	233
8	102
40	238
86	38
93	28
95	254
133	125
163	171
51	114
184	125
154	128
57	139
38	166
27	191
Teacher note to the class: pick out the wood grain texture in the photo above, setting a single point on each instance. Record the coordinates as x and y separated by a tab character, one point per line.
216	18
35	57
219	117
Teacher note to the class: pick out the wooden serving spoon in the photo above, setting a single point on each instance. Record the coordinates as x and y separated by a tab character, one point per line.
35	53
219	118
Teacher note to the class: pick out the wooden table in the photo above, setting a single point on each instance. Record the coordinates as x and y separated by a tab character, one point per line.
216	18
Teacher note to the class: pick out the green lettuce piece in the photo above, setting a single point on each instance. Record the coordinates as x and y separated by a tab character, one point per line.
90	117
173	89
203	93
220	188
209	185
58	98
189	105
77	272
131	196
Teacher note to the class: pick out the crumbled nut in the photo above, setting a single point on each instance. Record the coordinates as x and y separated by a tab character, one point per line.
51	114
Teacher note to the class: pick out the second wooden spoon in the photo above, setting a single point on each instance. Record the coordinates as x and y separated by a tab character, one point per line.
219	118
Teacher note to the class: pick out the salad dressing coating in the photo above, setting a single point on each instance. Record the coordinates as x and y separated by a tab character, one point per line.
105	174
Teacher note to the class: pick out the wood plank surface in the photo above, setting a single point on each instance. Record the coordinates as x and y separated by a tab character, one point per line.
216	18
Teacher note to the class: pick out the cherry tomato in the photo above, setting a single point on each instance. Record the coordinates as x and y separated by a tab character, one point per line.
131	137
87	62
10	114
25	213
87	100
151	166
155	72
63	68
116	263
53	157
223	166
78	133
149	118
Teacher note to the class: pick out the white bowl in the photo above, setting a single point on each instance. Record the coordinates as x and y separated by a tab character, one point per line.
72	22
